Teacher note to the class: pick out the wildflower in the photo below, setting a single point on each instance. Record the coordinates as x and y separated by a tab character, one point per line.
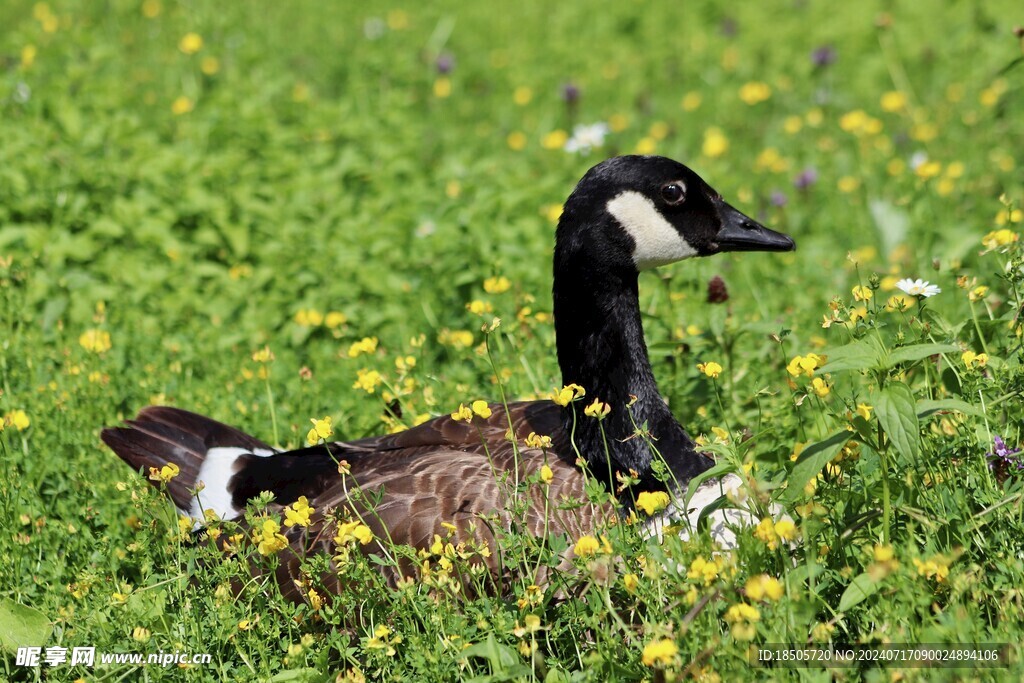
972	359
182	105
806	178
95	341
704	571
264	355
268	537
883	553
482	409
570	93
755	92
823	56
862	293
720	434
588	545
771	532
298	513
978	293
497	284
999	238
659	652
335	319
535	440
367	380
248	624
522	95
715	142
17	419
322	429
364	345
567	394
556	139
820	387
918	287
457	339
164	474
463	414
718	293
586	137
864	410
353	531
308	317
893	101
691	101
935	567
597	409
546	475
805	365
442	87
763	587
897	302
651	502
711	369
630	582
190	43
742	617
1002	456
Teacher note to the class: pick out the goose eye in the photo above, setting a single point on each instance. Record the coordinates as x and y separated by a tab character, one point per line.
673	193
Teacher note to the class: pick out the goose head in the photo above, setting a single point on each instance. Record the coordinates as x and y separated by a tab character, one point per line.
641	212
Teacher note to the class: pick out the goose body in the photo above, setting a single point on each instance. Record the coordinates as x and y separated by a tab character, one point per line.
627	214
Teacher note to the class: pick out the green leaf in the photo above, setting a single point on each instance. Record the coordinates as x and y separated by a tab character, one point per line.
812	460
895	410
858	355
861	588
917	352
22	626
926	407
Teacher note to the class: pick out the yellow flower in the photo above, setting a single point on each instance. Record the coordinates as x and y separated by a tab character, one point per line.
353	531
298	513
883	553
546	475
999	238
928	170
209	65
704	571
463	414
710	368
522	95
805	365
742	617
651	502
322	429
268	537
482	409
862	293
972	359
367	380
335	319
978	293
631	582
898	302
28	56
190	43
847	184
598	409
691	101
164	474
535	440
17	419
715	143
567	394
771	532
556	139
308	317
785	529
659	652
457	339
588	545
96	341
936	567
864	410
182	105
264	355
442	87
755	92
820	387
893	101
364	345
516	140
497	284
763	587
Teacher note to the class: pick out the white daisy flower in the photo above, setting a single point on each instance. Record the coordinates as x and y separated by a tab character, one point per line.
585	137
918	287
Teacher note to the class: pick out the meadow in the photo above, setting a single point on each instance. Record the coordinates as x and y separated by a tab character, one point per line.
275	212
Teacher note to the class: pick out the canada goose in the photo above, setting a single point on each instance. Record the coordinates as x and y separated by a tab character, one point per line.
627	214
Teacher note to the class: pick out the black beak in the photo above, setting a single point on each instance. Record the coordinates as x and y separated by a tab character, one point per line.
742	233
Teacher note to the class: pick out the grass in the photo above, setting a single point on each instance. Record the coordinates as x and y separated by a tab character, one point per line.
304	176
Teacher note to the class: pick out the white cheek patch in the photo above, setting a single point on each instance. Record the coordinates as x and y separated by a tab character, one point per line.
657	242
216	471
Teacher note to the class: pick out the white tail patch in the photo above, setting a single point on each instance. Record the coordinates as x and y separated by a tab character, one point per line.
723	522
217	469
657	241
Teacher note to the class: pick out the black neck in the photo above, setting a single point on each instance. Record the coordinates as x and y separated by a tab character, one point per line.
601	347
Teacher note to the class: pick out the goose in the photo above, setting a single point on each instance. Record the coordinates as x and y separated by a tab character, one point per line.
448	477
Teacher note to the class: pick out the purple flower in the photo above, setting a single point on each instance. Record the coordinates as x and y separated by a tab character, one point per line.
777	198
807	177
445	63
1002	456
570	93
823	56
729	27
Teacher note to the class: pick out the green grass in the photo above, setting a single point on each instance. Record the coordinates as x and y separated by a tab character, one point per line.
318	167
